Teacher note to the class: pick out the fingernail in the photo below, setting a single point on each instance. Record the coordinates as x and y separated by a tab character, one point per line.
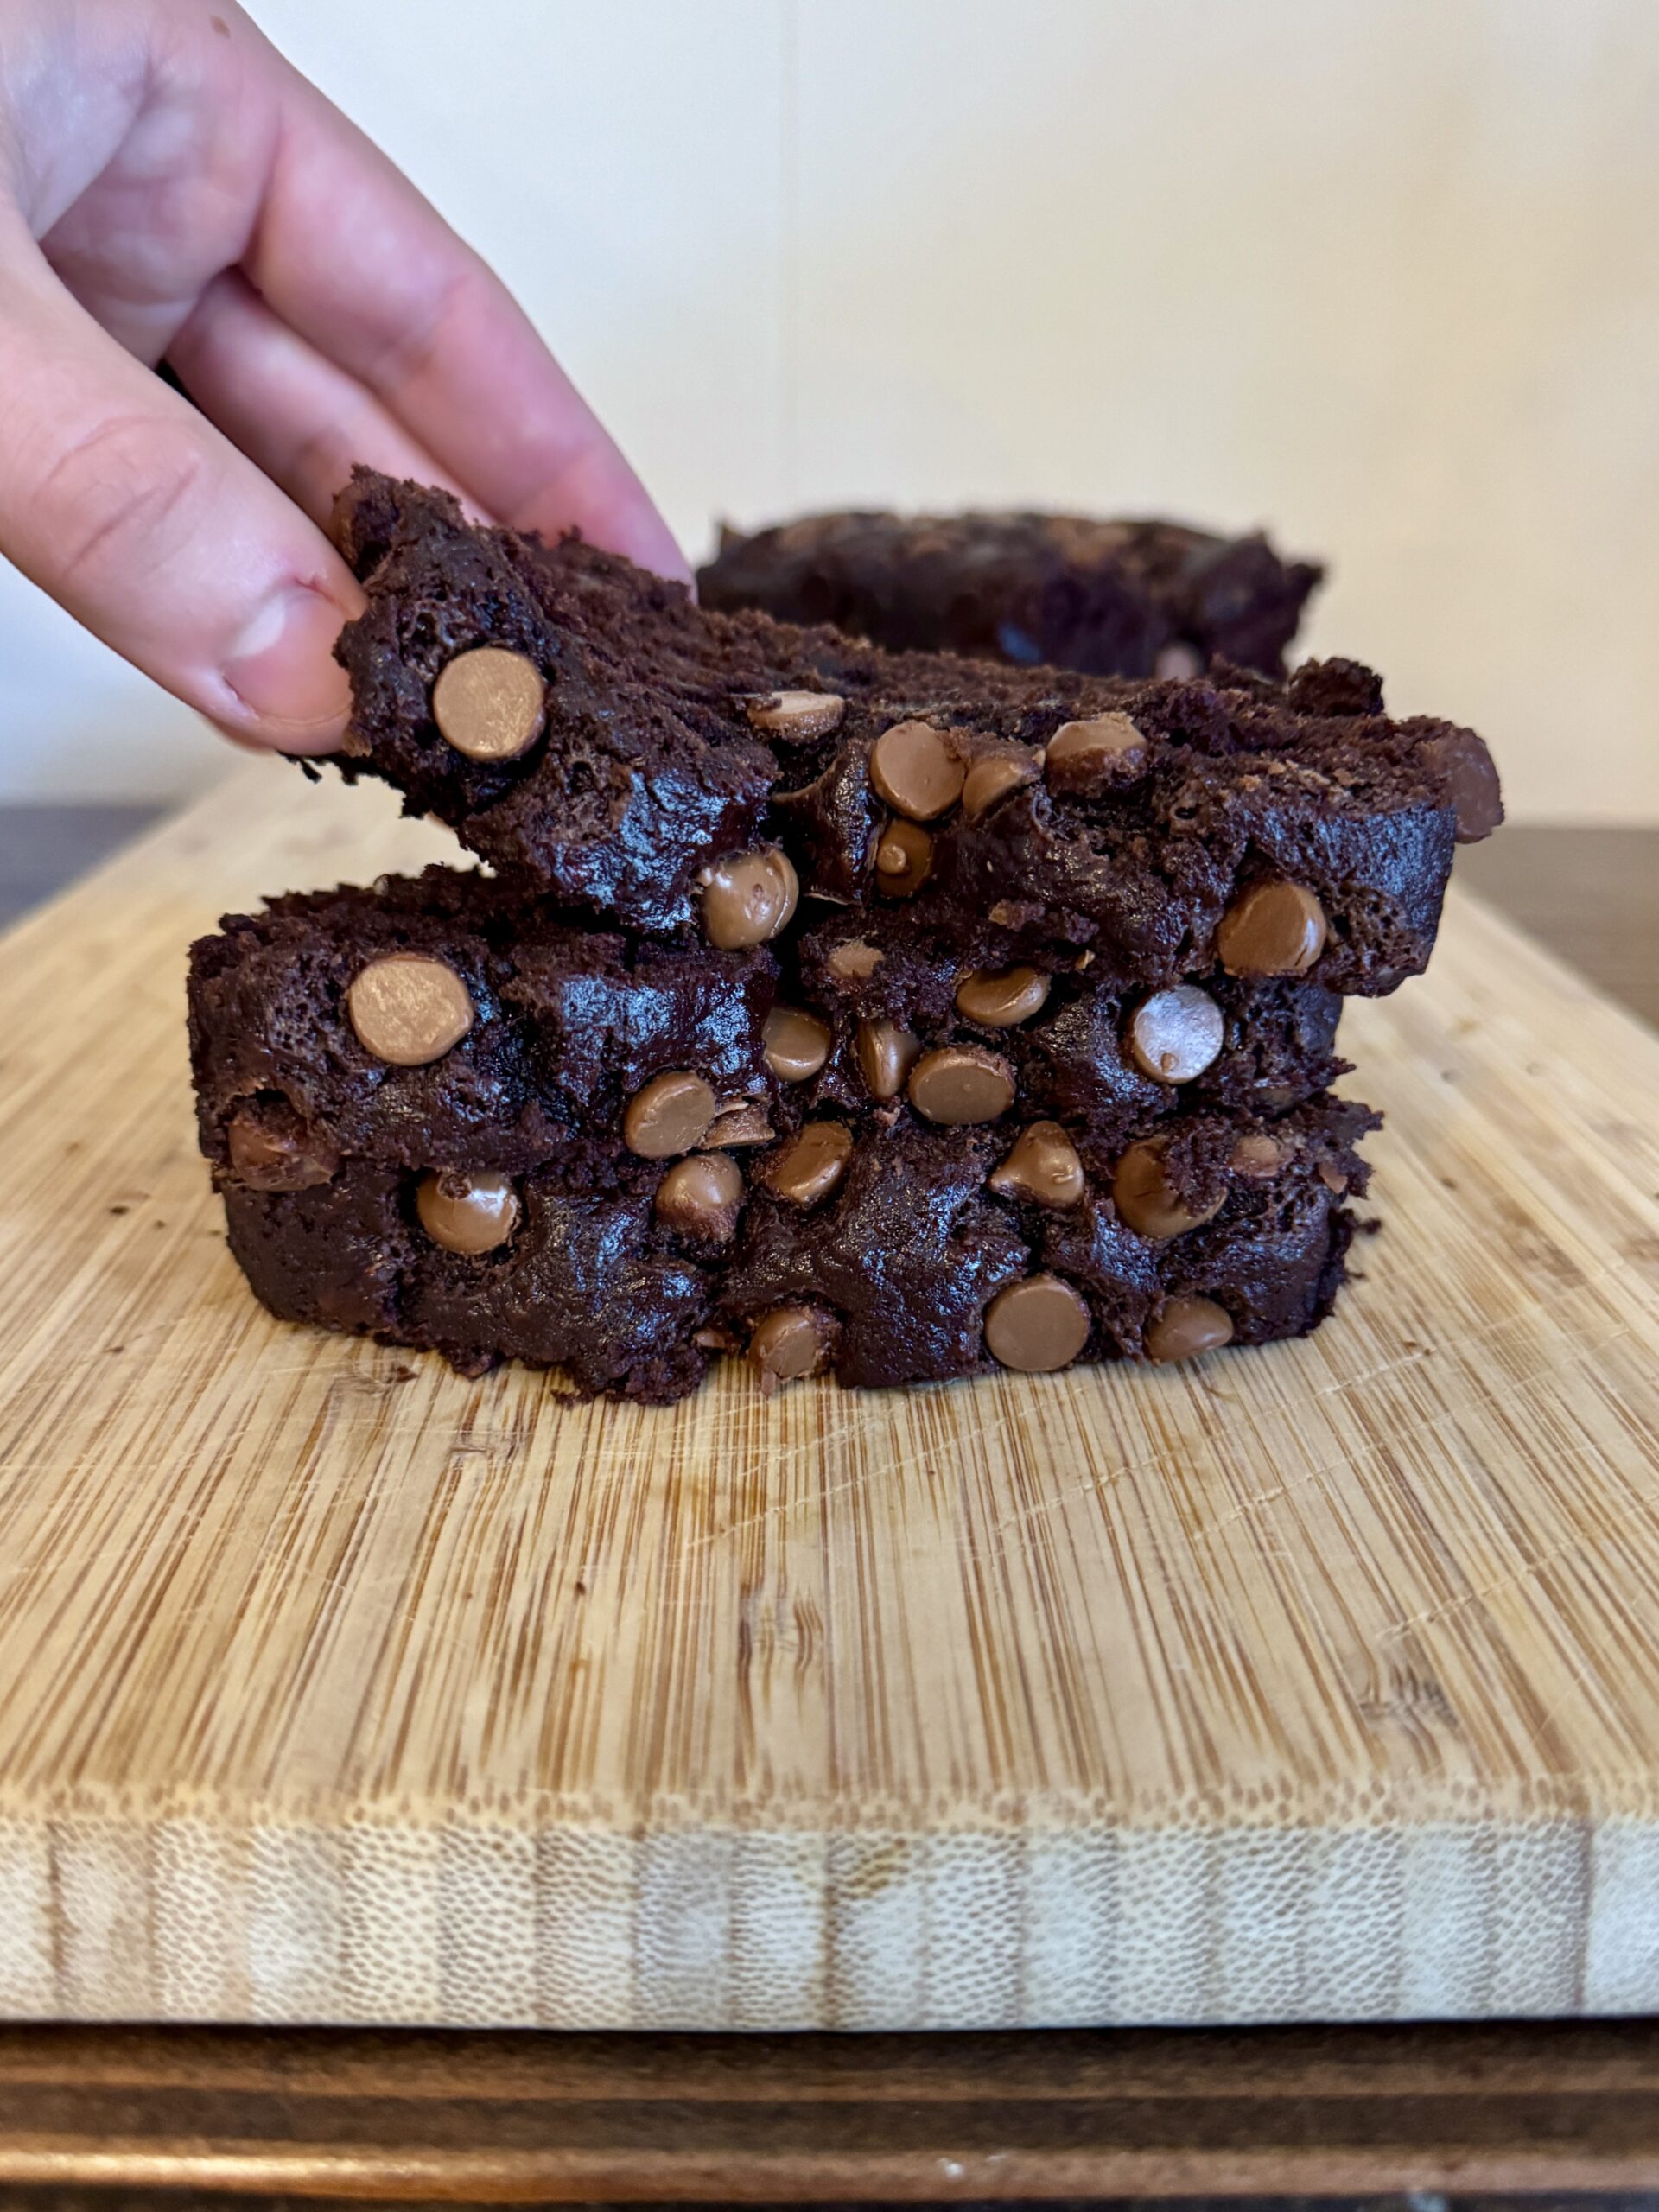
282	670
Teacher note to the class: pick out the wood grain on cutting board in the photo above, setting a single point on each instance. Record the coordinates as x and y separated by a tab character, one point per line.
1310	1682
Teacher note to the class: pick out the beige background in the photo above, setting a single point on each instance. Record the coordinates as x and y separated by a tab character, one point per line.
1382	273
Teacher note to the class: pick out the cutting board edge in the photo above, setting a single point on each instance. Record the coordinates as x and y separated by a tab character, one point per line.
467	1923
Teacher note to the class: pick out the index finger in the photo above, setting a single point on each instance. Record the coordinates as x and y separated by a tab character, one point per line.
411	310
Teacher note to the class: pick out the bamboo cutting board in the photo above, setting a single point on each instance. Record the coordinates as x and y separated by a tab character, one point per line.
1311	1682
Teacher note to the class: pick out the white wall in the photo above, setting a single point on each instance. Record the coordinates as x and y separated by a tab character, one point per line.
1382	273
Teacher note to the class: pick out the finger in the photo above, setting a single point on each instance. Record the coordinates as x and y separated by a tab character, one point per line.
303	420
126	505
400	303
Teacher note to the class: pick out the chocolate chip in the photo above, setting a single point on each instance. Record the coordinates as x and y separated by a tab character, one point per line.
904	858
272	1149
1260	1156
1001	998
1273	929
810	1165
1178	662
797	715
467	1210
1187	1326
917	770
1175	1034
747	900
959	1084
994	775
1042	1169
1460	762
797	1044
700	1197
670	1113
490	703
1037	1326
737	1122
885	1053
1143	1196
855	962
1091	756
791	1341
408	1009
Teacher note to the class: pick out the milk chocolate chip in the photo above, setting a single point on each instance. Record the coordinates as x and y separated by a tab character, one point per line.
700	1197
1091	756
748	900
272	1149
792	1341
916	769
1142	1194
1001	998
811	1164
469	1210
885	1053
904	858
408	1009
1187	1326
994	775
1175	1034
959	1084
737	1122
797	1044
798	714
1271	929
1042	1169
855	962
490	703
1464	767
1037	1326
1260	1156
670	1113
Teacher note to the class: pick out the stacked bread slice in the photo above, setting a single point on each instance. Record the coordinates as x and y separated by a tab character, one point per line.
899	1016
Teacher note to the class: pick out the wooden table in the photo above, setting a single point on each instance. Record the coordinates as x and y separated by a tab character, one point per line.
236	2115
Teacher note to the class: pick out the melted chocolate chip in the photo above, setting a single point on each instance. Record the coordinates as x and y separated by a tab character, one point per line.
749	899
469	1210
1145	1199
1038	1325
885	1053
409	1010
1042	1169
1176	1033
490	704
671	1113
961	1083
791	1342
796	1043
917	770
1002	998
1273	929
1186	1327
811	1164
700	1197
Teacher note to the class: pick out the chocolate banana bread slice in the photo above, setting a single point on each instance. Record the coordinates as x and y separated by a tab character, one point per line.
589	730
882	1248
459	1121
1147	598
433	1022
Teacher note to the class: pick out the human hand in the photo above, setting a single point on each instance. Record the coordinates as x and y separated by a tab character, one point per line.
172	189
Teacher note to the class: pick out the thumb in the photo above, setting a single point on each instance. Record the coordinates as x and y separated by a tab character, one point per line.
150	528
